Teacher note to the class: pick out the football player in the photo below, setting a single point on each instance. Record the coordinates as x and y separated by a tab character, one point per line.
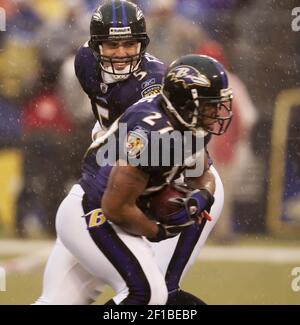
99	224
113	67
115	71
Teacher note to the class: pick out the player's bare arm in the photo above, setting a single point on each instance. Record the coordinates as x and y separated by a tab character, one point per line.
205	181
125	185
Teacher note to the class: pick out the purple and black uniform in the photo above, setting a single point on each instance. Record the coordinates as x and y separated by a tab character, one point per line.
137	118
109	101
141	119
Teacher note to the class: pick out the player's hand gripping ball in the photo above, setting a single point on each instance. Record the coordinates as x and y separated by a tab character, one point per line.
177	204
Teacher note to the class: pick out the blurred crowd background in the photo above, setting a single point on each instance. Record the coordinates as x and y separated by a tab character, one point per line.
46	119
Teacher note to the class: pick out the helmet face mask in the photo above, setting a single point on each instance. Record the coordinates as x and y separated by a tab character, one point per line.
213	116
118	21
196	93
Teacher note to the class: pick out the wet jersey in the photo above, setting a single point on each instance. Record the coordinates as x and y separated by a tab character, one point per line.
109	101
143	137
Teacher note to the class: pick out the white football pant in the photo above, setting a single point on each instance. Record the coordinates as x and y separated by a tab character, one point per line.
80	266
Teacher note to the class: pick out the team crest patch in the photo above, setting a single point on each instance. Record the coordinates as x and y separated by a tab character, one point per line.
151	90
136	143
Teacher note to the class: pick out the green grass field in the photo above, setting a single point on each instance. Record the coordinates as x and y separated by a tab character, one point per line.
214	282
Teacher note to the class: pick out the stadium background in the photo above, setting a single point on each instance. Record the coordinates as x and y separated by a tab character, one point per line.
45	122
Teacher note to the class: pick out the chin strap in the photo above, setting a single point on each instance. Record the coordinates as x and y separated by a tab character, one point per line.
198	132
109	78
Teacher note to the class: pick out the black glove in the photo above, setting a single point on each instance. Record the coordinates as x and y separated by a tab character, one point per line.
169	231
195	201
204	198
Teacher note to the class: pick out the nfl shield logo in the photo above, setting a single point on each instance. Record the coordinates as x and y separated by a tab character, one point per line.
103	88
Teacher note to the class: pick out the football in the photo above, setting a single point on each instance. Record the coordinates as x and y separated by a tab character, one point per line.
160	206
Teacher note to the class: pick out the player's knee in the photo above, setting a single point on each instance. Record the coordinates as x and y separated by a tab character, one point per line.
156	293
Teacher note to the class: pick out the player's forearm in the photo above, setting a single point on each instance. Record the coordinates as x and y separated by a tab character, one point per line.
125	185
207	181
